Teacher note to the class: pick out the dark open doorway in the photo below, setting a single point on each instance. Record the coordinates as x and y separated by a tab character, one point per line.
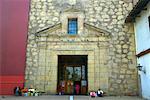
72	74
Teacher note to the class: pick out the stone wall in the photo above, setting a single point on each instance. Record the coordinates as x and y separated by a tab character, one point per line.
104	14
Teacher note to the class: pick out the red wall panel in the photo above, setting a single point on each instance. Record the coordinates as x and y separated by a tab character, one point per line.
8	83
14	27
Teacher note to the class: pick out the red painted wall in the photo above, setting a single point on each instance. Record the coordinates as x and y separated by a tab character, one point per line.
13	39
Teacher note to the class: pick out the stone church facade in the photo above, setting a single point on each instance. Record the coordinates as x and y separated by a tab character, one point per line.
102	40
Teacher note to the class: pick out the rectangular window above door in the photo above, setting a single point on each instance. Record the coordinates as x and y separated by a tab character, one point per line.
72	26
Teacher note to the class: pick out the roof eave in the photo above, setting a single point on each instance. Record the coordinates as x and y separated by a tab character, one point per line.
136	10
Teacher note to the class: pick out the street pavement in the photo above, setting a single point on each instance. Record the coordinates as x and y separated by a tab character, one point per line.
67	97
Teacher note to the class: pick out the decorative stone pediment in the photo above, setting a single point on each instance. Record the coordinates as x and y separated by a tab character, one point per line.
89	30
52	30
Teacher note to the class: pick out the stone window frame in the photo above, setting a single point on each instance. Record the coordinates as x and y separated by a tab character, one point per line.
69	15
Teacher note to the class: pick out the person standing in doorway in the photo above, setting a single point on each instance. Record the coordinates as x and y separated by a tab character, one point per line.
77	87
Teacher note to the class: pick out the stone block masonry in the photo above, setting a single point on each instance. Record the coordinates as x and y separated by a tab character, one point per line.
105	38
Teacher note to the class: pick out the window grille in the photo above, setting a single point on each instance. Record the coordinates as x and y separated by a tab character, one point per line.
72	26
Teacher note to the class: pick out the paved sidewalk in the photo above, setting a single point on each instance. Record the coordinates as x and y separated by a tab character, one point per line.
54	97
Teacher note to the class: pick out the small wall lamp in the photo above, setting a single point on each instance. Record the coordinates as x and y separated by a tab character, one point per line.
140	68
